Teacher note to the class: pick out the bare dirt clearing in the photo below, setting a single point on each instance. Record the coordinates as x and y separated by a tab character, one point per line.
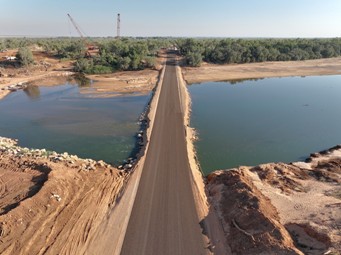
209	72
134	82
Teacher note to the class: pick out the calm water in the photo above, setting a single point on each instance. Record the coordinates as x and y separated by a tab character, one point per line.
275	119
61	119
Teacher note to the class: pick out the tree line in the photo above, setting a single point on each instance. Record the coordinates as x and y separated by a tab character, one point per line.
226	51
111	54
139	53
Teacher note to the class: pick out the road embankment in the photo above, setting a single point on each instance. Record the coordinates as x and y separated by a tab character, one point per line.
111	233
209	72
207	214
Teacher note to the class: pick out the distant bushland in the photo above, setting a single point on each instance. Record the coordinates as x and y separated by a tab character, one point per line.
227	51
111	54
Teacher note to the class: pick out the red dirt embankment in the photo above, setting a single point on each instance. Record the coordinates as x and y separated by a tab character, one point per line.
52	203
281	208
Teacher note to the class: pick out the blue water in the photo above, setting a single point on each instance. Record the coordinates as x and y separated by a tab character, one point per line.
275	119
62	119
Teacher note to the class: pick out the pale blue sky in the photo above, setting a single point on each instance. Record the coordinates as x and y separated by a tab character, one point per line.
218	18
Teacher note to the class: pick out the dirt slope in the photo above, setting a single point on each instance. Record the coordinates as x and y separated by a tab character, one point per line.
52	204
281	208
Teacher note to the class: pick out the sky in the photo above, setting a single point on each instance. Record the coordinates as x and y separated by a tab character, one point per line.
177	18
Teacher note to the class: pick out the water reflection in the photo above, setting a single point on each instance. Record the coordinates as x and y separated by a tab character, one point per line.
33	92
81	80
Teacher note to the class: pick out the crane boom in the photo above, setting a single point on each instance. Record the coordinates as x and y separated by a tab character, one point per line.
90	49
76	26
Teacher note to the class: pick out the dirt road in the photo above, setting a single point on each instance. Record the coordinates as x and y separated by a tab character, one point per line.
164	218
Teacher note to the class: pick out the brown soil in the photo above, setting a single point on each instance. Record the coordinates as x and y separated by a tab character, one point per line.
281	208
121	83
209	72
251	222
52	208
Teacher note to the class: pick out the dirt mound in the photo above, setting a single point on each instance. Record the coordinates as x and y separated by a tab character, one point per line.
32	176
51	204
279	208
251	222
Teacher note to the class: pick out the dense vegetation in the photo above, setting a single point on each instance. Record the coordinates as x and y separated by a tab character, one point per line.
111	54
225	51
125	54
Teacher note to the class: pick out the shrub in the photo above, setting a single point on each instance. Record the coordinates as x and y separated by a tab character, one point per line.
25	56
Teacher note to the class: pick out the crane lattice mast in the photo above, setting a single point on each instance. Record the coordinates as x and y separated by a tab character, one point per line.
118	26
76	26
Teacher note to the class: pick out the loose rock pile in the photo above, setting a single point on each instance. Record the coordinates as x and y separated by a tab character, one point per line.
9	147
15	87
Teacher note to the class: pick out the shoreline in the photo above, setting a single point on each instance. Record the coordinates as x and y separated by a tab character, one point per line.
231	72
106	85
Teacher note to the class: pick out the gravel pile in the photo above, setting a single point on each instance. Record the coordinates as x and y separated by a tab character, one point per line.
10	147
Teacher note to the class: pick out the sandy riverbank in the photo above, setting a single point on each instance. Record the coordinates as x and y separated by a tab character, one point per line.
123	83
111	85
209	72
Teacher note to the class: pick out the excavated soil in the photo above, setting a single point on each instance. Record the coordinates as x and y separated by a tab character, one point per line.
53	205
279	208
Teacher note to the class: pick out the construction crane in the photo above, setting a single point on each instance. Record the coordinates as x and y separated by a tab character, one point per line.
90	47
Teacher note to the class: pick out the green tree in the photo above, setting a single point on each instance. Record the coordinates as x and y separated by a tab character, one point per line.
25	56
194	59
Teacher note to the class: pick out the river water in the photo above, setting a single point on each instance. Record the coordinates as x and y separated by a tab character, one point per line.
267	120
60	118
